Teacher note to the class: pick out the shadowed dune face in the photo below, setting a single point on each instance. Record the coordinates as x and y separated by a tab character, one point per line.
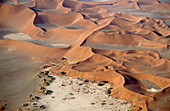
125	42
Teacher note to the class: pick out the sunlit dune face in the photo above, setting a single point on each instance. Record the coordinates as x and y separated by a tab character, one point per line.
124	42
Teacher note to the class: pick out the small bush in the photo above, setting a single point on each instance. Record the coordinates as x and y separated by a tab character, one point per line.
25	105
34	103
63	58
111	103
45	66
47	72
108	91
103	103
42	106
44	81
49	76
38	76
80	84
2	108
100	84
105	81
86	80
47	84
140	108
42	88
30	95
63	85
36	97
47	92
42	72
49	80
71	94
92	103
72	98
63	73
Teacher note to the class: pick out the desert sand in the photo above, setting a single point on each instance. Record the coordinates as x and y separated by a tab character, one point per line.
72	93
124	42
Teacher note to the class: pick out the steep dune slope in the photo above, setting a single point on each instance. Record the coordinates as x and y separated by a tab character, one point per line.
124	42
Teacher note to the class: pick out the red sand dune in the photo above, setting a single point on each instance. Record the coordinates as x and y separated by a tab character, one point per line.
125	42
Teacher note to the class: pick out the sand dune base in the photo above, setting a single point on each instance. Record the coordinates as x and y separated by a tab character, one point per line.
124	42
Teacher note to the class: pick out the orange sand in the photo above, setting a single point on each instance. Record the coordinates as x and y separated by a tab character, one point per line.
125	42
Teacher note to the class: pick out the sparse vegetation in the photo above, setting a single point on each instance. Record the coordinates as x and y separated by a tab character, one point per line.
92	103
80	84
86	80
100	84
63	73
46	66
46	72
2	108
42	106
63	58
71	94
44	81
140	108
39	76
47	84
111	104
30	95
49	80
72	98
105	81
53	65
36	97
34	103
25	105
63	85
103	103
42	88
108	91
42	72
47	92
49	76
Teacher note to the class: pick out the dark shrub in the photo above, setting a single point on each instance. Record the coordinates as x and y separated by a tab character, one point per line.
108	91
100	84
105	81
37	97
63	58
42	107
63	73
86	80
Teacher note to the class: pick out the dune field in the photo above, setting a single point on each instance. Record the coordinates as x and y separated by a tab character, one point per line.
125	43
